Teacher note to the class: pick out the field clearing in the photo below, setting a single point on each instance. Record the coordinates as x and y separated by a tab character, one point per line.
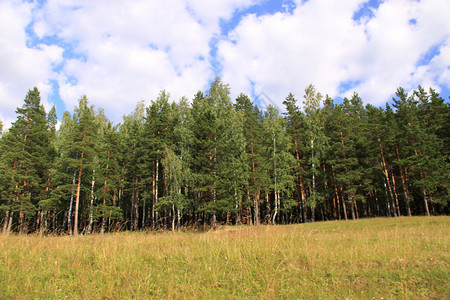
364	259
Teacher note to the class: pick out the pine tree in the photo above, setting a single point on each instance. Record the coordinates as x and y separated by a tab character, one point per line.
27	146
5	176
108	175
231	163
46	204
333	118
158	134
408	138
431	168
296	128
79	153
255	173
353	152
132	158
380	147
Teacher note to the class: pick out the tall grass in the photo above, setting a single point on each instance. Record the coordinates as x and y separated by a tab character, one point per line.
363	259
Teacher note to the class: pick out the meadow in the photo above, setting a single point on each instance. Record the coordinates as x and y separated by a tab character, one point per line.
383	258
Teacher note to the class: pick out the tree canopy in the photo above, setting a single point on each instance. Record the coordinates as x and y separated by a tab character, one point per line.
213	159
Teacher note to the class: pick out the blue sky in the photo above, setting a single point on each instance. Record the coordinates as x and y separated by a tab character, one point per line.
120	52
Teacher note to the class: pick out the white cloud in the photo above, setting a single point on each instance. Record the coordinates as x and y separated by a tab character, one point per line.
21	67
132	51
396	46
118	53
320	43
283	53
209	12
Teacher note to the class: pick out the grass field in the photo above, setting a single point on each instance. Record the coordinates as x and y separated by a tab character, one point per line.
364	259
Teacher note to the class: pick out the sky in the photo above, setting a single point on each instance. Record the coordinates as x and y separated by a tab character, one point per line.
120	52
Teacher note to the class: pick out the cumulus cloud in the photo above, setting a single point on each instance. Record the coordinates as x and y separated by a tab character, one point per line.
22	67
114	52
122	53
127	52
118	53
322	43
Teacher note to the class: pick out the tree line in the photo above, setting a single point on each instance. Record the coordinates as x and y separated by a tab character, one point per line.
212	160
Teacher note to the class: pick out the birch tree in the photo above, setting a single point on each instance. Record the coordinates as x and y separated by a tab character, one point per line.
317	139
281	161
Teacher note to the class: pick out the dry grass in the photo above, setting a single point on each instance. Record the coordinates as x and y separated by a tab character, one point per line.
363	259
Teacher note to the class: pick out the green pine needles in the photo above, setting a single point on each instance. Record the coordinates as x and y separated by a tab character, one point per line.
214	160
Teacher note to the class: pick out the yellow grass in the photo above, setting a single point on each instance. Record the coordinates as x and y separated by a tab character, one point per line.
363	259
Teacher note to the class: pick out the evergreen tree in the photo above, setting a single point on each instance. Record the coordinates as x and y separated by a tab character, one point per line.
352	152
432	170
62	174
27	146
108	175
133	155
46	204
408	138
333	118
380	147
255	173
158	133
79	154
296	128
174	164
231	163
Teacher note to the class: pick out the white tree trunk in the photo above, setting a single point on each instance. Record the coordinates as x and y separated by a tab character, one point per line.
69	216
275	180
91	212
155	220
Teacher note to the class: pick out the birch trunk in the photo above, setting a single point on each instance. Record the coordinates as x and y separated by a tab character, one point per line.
173	218
257	196
214	184
301	185
427	210
238	217
91	206
179	213
313	168
136	205
386	175
156	191
397	206
344	207
388	205
275	181
8	228
77	199
6	221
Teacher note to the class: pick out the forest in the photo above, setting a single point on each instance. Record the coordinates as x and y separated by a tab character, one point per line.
195	163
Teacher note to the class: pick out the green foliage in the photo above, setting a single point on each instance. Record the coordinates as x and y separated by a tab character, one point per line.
213	160
26	160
